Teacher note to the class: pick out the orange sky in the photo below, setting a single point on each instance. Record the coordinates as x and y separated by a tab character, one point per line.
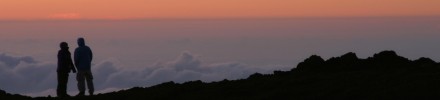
135	9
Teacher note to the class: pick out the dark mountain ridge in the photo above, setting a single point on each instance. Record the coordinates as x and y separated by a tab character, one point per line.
383	76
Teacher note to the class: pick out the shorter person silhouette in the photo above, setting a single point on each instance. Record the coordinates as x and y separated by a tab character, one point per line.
65	65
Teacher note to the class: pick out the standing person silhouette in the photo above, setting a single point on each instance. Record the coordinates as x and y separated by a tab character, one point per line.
65	65
83	59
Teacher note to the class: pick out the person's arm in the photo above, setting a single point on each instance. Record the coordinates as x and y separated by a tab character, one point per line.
91	54
76	57
72	67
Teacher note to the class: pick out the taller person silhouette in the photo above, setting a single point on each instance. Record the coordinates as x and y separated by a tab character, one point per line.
83	59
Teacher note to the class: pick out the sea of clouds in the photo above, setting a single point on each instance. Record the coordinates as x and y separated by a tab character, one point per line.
25	75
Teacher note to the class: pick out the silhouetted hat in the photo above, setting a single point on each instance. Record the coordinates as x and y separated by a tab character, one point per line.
64	45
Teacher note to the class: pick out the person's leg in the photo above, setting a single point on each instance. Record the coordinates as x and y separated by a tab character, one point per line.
89	79
65	81
62	84
81	82
59	86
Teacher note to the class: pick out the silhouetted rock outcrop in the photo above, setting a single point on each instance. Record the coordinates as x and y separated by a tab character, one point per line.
312	61
7	96
383	76
389	59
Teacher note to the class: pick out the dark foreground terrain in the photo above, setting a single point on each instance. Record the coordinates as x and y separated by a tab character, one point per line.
383	76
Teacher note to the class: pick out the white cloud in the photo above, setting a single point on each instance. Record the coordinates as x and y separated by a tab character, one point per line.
27	76
24	74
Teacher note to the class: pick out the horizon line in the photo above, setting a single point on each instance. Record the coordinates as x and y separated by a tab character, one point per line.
218	18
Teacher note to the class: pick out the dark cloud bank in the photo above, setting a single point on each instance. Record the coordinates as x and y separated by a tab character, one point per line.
25	75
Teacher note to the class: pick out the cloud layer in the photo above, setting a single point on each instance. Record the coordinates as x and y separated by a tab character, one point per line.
24	75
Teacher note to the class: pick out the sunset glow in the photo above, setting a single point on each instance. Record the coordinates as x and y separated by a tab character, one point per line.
138	9
144	43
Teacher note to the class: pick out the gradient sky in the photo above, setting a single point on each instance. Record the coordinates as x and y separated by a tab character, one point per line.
138	9
147	42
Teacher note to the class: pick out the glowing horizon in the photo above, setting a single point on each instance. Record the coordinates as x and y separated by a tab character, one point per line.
140	9
223	39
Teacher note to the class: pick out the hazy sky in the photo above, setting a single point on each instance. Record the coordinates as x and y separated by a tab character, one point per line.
147	42
139	9
131	53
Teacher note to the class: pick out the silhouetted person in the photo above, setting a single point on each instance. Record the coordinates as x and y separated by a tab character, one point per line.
83	58
65	65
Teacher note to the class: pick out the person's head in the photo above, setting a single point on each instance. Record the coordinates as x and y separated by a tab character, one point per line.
63	45
81	42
